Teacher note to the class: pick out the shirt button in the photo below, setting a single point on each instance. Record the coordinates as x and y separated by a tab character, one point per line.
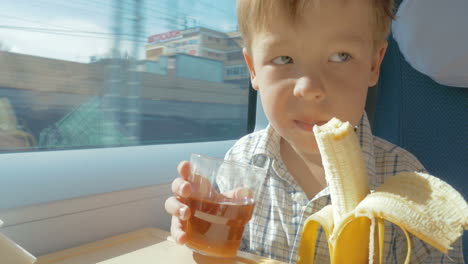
260	160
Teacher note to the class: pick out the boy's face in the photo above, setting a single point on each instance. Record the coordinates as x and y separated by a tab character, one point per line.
316	69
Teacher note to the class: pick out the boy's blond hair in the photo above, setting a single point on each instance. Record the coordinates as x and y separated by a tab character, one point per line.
252	15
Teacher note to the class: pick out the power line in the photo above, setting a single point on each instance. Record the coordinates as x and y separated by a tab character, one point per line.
215	7
58	30
173	19
33	21
46	4
84	34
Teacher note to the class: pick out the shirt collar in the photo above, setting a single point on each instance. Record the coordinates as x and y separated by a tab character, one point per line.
268	150
269	144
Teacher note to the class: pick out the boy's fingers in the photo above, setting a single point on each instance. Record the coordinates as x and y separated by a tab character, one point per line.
201	185
184	169
176	208
177	231
181	187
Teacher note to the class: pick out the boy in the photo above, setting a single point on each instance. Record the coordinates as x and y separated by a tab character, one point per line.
310	61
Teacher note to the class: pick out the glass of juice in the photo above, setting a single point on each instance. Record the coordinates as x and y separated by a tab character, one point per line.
222	202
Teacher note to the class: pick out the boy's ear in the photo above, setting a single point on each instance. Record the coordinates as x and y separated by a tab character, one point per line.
376	62
249	62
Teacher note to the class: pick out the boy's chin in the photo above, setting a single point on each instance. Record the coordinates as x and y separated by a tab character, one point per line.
306	145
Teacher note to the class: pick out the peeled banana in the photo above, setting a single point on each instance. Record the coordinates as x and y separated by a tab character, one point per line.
418	203
343	157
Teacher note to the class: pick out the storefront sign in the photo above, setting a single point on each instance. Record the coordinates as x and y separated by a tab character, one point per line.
175	34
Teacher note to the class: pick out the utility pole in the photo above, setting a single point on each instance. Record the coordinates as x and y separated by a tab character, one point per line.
112	89
134	93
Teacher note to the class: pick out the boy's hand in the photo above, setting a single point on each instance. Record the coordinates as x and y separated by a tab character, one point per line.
181	188
175	204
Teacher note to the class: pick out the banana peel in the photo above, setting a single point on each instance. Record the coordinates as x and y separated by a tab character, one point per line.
416	202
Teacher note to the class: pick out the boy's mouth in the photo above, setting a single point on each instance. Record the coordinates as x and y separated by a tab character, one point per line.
308	126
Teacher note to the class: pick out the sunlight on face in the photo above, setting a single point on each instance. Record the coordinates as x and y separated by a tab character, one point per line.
318	68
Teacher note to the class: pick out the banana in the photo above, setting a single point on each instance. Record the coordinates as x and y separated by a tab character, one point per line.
344	166
418	203
422	204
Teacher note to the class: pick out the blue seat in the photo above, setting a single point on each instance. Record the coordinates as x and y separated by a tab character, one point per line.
428	119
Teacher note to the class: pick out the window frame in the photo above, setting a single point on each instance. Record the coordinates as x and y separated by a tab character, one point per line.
29	180
83	219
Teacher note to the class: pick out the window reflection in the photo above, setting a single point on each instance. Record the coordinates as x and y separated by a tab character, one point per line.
120	72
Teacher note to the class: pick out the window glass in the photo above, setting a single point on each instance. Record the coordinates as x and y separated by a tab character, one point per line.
88	73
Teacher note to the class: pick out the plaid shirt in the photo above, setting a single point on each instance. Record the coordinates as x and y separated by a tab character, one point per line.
275	228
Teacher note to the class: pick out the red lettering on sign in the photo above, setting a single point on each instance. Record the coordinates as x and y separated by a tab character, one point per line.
165	36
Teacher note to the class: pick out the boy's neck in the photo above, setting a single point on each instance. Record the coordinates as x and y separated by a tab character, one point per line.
307	171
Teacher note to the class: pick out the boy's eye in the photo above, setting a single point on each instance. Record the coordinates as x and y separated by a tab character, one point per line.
283	60
340	57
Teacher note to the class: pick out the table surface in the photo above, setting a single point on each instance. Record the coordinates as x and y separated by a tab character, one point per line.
149	245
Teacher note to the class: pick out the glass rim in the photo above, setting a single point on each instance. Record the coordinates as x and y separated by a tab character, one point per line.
233	162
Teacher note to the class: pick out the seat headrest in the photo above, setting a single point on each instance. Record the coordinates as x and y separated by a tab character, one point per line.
433	38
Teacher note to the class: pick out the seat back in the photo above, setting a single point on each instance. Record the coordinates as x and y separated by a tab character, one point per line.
428	119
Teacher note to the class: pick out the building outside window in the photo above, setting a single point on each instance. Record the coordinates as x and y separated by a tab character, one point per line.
118	73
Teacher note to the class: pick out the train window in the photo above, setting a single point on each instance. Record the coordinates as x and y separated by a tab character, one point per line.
93	74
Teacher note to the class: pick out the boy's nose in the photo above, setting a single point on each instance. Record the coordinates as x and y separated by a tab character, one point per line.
309	89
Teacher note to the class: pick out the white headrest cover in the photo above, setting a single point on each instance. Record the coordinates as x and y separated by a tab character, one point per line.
433	38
